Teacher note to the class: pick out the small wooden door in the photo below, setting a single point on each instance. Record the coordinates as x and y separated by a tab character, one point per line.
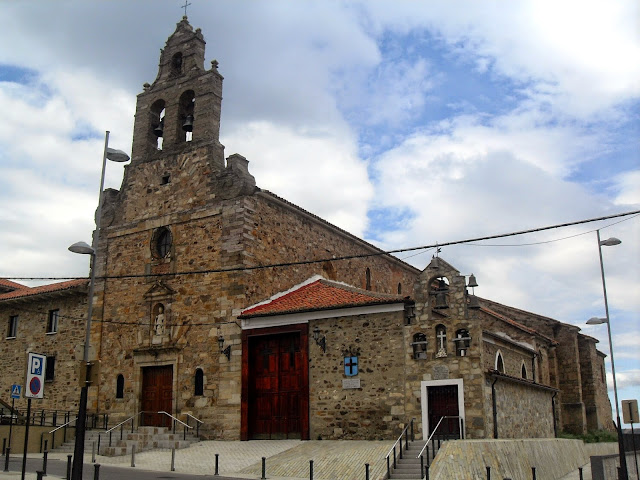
157	393
443	402
276	390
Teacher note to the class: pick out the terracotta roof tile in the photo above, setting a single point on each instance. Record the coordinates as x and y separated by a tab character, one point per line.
319	295
8	284
42	289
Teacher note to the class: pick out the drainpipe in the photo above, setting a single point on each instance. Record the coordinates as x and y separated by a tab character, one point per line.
533	366
495	408
553	412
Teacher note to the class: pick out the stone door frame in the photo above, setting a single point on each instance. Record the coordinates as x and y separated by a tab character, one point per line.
424	400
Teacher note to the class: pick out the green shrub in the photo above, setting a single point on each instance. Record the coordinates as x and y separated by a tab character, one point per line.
595	436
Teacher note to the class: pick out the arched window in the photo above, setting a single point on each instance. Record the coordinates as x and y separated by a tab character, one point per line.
157	113
499	362
523	371
440	293
186	117
199	382
419	346
399	288
161	242
176	64
441	341
120	386
367	277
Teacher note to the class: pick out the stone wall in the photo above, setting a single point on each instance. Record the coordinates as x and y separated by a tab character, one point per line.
594	385
376	409
66	345
523	411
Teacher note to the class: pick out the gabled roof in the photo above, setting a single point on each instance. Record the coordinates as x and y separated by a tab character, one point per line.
517	325
319	294
8	285
25	291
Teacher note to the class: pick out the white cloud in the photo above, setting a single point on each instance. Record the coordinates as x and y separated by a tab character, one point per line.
628	188
626	379
316	170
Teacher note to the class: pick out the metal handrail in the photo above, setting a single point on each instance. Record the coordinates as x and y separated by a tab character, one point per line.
125	421
434	432
191	416
62	426
399	439
175	419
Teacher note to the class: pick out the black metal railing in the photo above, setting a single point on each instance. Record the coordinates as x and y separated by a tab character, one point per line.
406	433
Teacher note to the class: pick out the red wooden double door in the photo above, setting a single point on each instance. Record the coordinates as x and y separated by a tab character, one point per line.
157	395
275	403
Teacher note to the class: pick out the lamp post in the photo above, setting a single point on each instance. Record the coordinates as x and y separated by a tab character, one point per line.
84	248
623	475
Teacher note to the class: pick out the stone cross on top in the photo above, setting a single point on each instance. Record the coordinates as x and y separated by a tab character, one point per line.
186	4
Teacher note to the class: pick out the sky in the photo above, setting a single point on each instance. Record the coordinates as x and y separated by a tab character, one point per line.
405	123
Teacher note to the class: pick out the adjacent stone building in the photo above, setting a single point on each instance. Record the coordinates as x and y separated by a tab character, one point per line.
223	301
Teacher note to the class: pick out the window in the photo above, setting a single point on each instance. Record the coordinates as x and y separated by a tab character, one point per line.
12	332
162	241
441	341
165	179
523	371
399	288
367	278
176	64
120	386
52	323
199	382
50	369
463	341
499	362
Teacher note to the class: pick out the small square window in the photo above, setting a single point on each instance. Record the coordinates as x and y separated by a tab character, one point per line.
165	179
50	369
12	332
52	323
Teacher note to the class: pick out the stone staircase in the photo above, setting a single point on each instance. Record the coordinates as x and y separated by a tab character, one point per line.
145	438
409	467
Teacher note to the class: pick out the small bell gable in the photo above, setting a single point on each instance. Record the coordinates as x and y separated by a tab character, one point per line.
183	54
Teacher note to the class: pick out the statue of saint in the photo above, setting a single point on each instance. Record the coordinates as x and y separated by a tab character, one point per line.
158	325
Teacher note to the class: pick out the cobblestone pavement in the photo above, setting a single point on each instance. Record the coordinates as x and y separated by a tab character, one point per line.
285	459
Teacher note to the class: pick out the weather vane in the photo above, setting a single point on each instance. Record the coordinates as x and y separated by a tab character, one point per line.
186	4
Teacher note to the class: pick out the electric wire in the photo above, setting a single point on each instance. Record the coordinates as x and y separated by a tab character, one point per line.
343	257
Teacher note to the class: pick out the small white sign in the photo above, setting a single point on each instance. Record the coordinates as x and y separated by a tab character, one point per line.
630	411
348	383
36	365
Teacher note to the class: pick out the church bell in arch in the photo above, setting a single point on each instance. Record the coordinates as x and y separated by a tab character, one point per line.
187	126
158	131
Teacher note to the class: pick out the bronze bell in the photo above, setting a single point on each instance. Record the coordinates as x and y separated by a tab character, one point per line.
158	131
472	281
473	302
187	126
441	301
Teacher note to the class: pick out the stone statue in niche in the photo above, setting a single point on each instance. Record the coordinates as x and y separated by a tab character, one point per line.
160	332
158	326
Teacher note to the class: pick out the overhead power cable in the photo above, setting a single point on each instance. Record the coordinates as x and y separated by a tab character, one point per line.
343	257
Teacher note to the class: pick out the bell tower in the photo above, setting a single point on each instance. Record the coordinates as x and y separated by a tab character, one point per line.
181	109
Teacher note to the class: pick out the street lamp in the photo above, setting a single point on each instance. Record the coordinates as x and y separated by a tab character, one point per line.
597	321
85	249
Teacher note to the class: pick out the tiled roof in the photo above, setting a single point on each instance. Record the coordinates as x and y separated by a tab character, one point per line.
25	291
9	285
320	294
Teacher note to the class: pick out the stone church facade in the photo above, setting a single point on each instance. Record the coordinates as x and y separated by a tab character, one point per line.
223	301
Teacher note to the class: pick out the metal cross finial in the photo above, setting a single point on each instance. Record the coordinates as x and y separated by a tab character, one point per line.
186	4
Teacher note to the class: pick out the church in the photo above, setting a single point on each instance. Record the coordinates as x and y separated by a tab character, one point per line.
218	300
